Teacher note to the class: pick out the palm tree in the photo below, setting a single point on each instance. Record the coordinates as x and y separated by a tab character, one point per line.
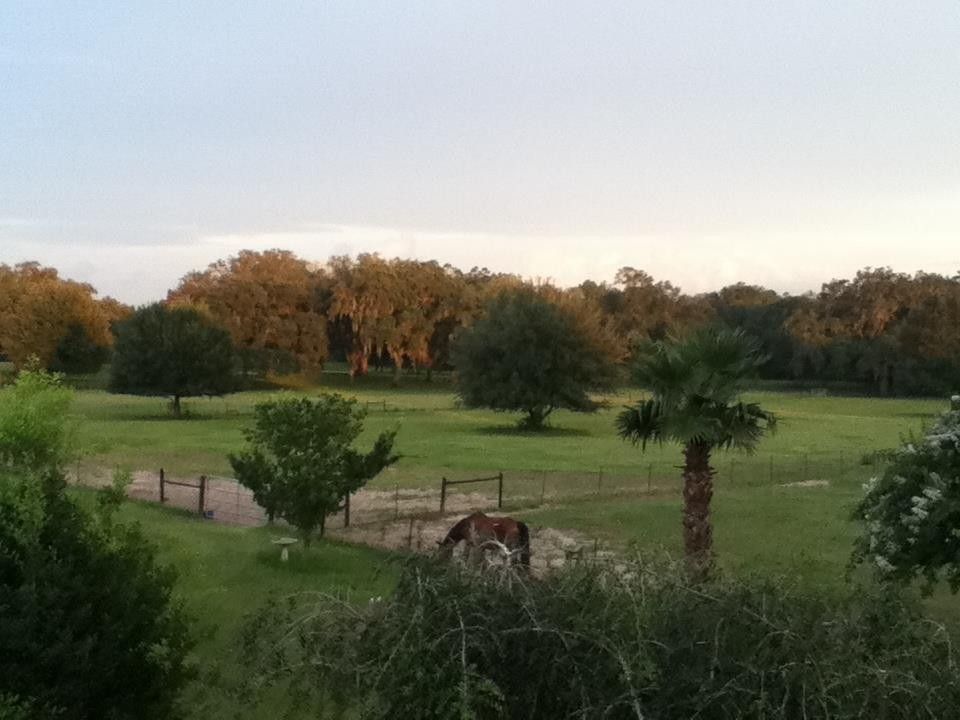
695	385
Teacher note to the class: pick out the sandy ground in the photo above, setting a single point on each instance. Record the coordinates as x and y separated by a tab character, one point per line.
394	520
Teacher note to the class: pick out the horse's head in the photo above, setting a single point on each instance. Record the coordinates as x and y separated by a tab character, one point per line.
445	548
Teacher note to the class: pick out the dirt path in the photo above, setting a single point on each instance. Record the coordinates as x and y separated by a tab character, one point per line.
407	519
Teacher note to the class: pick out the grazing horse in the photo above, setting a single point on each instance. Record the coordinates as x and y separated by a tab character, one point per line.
480	532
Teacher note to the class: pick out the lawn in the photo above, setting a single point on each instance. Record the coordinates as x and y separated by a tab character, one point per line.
436	437
590	480
592	483
224	573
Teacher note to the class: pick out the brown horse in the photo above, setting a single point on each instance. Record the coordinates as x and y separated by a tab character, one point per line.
480	532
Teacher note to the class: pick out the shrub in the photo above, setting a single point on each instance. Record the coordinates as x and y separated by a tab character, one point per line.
911	512
88	629
35	429
301	464
639	642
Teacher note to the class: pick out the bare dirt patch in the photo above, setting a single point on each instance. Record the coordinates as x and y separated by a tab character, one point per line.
399	520
809	484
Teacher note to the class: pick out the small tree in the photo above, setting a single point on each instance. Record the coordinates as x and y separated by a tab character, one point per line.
911	511
696	386
531	355
171	351
301	465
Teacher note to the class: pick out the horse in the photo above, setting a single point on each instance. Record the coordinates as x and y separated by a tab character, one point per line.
481	532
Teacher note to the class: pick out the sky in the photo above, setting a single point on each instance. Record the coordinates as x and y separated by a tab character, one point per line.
780	143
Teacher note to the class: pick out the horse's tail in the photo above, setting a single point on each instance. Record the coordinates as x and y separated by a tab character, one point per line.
524	543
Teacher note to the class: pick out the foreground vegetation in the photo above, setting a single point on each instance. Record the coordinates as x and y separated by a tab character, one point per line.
637	641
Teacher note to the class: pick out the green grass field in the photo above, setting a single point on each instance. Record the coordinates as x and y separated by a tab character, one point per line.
592	480
762	525
225	573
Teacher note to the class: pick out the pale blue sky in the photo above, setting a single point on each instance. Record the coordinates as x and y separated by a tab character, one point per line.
776	142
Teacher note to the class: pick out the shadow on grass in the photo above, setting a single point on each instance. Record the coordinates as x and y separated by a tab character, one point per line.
546	432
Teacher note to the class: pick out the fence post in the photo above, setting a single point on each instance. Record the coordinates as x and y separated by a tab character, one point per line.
346	511
163	496
543	487
203	493
443	496
500	492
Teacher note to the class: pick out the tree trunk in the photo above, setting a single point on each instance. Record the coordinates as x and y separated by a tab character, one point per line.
175	407
697	494
535	418
323	525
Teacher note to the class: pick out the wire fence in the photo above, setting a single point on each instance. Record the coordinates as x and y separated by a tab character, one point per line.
225	500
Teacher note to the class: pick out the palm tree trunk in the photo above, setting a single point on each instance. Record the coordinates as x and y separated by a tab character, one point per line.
697	494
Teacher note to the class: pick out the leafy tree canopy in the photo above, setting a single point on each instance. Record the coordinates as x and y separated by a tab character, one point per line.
301	463
174	352
532	355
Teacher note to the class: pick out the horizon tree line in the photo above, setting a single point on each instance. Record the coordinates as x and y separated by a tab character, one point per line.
881	331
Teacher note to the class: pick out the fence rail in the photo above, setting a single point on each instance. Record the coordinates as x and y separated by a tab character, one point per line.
384	502
447	483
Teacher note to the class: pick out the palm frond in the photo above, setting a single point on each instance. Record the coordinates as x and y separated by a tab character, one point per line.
744	424
642	423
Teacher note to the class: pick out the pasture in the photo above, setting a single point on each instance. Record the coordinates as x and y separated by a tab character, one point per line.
783	510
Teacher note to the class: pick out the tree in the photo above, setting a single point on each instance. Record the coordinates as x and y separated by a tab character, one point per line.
695	385
270	302
38	308
301	465
531	355
77	353
911	512
173	352
88	626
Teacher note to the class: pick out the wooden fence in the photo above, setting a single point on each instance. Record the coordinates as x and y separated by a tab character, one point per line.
447	483
201	486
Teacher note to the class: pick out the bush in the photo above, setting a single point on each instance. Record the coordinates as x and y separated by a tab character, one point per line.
591	643
88	629
301	465
912	511
35	429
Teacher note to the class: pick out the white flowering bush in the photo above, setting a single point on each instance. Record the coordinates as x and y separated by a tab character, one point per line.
911	513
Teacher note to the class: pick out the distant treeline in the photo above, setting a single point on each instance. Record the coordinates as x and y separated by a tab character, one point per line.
880	332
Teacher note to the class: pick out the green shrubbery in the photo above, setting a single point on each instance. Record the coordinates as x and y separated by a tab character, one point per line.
638	642
912	511
88	629
301	464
